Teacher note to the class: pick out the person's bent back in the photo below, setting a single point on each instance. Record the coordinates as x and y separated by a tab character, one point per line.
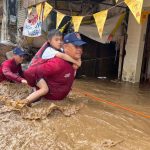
58	74
55	77
11	70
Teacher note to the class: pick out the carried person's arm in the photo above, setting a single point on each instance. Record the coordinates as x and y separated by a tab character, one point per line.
51	53
68	58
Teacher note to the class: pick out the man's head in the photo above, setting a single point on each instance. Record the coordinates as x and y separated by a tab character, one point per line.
18	55
55	39
73	45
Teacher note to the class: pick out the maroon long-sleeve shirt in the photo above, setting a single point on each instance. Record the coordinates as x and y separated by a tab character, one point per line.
10	71
58	74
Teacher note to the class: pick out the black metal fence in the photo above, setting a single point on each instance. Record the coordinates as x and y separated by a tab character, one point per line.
99	60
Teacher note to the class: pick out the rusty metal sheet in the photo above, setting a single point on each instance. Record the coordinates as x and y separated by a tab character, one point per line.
28	3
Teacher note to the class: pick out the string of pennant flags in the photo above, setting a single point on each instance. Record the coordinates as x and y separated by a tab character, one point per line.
45	9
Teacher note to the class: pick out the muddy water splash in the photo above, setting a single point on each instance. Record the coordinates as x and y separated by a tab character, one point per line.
39	110
95	126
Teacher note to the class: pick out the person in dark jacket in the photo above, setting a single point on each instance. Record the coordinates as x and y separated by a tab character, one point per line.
11	70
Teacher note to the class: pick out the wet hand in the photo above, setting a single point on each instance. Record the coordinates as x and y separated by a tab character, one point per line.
21	103
24	81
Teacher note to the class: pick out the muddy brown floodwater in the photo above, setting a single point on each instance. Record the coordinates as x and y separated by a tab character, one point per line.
79	122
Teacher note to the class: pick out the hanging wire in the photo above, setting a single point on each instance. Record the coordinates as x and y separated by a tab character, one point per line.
94	13
89	14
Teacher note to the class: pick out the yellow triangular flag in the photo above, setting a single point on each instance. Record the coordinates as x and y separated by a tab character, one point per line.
136	8
39	9
60	17
100	19
47	9
76	20
29	10
116	1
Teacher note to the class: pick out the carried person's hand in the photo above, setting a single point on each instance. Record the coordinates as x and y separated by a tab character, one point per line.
24	81
79	62
75	67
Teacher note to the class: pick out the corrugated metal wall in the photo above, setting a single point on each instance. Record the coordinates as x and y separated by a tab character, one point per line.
28	3
1	11
21	13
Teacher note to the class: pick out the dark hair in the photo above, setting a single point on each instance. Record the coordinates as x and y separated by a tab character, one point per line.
53	33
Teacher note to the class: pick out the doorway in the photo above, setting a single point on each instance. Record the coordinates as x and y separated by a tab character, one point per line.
145	70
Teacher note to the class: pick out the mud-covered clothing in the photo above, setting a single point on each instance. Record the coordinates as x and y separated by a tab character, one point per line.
10	71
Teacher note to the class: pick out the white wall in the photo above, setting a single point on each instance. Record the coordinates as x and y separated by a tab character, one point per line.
134	50
146	3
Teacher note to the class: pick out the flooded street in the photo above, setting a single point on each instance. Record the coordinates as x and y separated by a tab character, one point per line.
97	115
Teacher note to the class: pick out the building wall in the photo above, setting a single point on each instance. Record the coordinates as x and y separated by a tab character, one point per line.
146	3
4	27
1	11
1	15
28	3
22	13
134	49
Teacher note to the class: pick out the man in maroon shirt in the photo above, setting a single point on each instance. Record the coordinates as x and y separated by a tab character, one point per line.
55	77
11	70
